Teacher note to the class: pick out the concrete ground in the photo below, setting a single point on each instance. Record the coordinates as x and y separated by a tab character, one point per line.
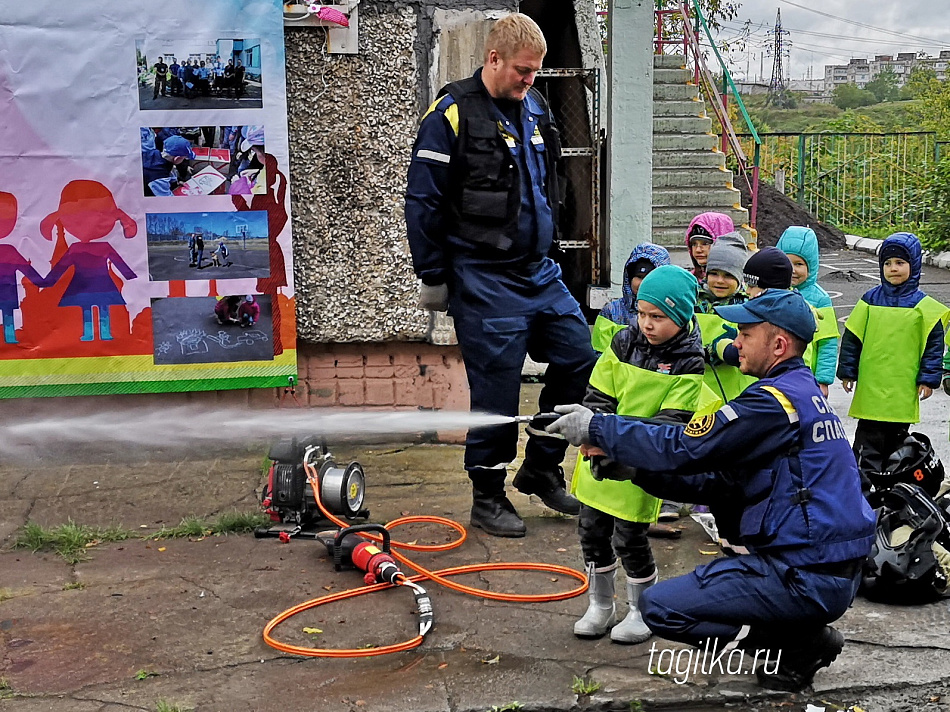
180	621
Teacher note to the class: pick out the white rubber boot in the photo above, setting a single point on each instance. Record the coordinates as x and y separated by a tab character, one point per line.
632	629
601	611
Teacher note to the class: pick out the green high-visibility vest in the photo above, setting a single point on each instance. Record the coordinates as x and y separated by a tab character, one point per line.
827	329
725	381
641	393
603	333
893	341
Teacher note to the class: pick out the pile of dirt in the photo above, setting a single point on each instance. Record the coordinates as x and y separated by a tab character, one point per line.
777	212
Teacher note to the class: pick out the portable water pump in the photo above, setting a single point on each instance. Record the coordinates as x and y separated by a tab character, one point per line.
287	496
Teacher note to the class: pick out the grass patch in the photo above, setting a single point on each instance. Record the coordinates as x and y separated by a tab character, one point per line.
882	232
584	686
6	594
144	674
6	689
74	586
69	540
226	523
72	541
510	707
188	527
165	706
239	522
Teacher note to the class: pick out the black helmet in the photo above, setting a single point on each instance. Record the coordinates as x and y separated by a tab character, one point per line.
914	462
902	566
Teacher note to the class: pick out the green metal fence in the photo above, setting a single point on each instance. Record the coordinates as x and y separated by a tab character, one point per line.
854	179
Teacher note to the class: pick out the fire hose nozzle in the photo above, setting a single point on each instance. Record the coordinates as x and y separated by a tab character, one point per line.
538	420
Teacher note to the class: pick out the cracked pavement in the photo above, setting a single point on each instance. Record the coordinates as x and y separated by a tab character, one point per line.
187	615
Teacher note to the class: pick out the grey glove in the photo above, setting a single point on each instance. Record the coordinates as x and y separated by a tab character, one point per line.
574	424
434	298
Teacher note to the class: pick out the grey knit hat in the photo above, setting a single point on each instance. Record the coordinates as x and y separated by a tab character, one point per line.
728	254
734	239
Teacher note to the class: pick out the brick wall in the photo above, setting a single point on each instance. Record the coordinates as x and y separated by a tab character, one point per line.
391	375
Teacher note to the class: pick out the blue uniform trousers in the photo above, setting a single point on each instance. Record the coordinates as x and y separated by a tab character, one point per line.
718	598
500	316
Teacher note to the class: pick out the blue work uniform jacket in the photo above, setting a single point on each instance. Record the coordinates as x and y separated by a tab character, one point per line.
775	460
436	247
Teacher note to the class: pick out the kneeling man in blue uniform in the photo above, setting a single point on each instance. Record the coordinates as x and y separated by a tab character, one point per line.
776	469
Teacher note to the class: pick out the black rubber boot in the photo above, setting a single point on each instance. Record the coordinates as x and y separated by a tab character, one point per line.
799	662
548	484
495	515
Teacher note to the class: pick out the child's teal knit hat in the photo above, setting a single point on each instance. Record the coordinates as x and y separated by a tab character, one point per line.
673	290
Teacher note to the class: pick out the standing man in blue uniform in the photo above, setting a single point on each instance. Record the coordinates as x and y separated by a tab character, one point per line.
775	466
481	213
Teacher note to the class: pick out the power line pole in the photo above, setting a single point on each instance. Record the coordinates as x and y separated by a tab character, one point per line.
778	87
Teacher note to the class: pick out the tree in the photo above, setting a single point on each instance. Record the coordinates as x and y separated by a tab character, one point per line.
934	110
851	96
715	12
850	122
884	86
919	82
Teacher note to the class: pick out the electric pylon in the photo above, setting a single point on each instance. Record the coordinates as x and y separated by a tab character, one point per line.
778	87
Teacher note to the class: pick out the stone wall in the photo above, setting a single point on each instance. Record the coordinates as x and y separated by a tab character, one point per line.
352	122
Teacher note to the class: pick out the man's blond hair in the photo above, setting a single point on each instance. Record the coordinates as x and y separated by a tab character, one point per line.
513	33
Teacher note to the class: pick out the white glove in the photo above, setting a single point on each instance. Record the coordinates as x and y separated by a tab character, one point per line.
574	424
434	298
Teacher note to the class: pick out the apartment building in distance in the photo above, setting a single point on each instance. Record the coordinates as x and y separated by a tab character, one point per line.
861	71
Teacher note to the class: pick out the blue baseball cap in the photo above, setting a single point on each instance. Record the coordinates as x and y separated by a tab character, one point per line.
178	146
780	307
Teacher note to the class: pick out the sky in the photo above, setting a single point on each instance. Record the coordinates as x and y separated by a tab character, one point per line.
824	32
221	223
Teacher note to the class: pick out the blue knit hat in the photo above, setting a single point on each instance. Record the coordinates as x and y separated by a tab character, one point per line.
673	290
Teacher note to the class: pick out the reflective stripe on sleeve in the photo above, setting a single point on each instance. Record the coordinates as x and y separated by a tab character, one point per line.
729	413
784	401
433	155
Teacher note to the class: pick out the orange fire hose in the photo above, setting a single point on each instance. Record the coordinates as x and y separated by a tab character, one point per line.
440	576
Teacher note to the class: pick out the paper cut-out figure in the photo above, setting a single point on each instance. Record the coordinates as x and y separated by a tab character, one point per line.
11	262
88	212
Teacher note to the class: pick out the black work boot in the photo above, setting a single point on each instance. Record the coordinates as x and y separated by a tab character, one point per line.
799	663
549	485
495	515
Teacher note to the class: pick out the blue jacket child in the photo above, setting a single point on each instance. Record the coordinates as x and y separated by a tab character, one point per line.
892	348
802	242
620	312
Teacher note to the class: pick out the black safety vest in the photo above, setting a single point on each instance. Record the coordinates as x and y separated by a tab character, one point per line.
486	179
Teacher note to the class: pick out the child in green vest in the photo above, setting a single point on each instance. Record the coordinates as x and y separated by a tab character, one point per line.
723	282
891	349
619	313
801	246
722	286
769	268
653	368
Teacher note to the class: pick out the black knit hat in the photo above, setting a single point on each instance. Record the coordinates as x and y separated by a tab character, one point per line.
769	268
641	268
